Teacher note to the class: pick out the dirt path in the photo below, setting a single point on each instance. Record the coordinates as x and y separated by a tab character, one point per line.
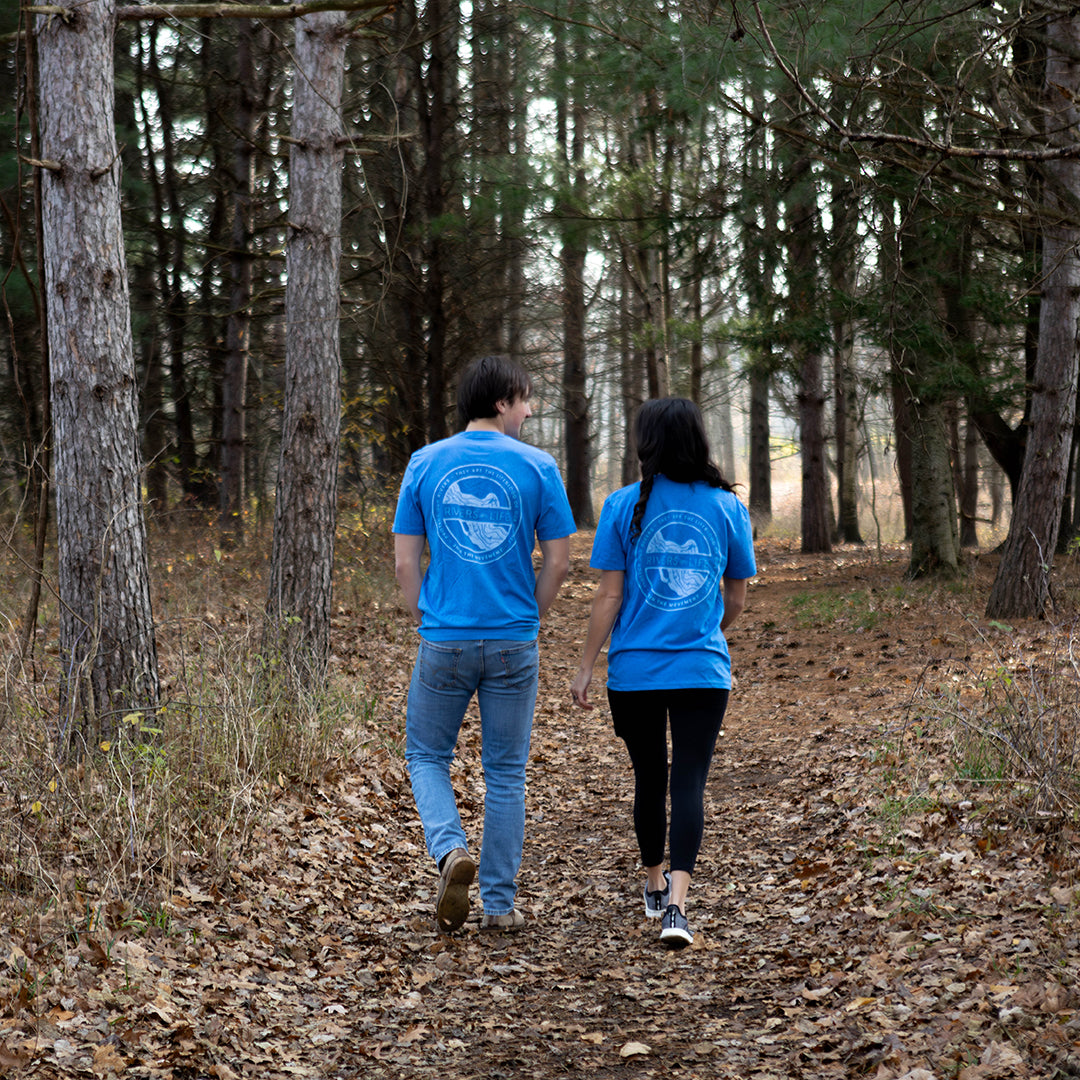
795	969
828	941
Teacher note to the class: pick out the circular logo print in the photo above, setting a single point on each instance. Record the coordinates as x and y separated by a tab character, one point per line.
477	510
679	564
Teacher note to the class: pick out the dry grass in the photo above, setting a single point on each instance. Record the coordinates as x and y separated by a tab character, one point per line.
1008	732
181	791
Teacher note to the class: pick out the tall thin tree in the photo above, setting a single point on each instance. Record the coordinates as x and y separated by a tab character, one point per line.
107	643
305	513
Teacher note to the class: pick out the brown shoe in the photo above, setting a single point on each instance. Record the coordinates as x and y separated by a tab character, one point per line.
452	900
513	920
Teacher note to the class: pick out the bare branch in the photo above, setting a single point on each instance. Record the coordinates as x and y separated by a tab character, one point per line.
52	166
846	138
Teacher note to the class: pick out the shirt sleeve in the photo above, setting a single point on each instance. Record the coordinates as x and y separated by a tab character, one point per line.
409	517
556	518
609	549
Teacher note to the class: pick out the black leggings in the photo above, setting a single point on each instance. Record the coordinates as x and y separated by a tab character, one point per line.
696	717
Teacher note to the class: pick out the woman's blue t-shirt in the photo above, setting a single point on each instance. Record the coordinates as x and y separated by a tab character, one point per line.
482	499
667	634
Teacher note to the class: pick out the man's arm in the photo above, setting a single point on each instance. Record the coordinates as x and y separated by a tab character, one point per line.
407	552
734	600
553	571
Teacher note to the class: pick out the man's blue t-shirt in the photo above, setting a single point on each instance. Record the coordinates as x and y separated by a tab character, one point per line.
667	634
482	499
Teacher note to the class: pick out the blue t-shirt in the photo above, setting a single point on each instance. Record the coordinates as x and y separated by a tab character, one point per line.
482	499
667	633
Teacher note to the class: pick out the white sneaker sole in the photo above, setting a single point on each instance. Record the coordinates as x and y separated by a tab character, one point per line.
676	939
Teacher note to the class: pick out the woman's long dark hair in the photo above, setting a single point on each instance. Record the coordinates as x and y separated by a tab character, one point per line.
671	439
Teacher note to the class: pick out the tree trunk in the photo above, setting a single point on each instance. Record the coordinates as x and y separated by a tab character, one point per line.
845	386
39	434
107	648
570	138
760	250
935	545
199	472
146	221
657	368
438	123
238	322
492	34
631	377
514	227
305	514
1022	587
803	300
172	273
815	487
724	452
901	415
697	344
760	448
969	488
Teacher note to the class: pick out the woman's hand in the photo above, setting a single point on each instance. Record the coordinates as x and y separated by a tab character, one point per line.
579	688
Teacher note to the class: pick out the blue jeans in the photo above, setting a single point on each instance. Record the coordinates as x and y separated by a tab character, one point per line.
503	675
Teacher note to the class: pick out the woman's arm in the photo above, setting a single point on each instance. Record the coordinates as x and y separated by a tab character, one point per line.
607	601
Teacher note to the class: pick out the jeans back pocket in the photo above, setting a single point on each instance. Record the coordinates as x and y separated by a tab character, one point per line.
438	667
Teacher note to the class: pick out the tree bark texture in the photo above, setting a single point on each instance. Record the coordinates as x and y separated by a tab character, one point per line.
143	274
494	99
921	396
815	487
969	490
1022	588
172	268
842	263
803	300
107	646
437	78
570	139
724	451
760	445
305	513
935	543
238	321
631	377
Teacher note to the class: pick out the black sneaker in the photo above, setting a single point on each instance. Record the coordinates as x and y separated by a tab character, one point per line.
656	902
674	931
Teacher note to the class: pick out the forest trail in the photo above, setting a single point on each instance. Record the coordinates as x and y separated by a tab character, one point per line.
830	941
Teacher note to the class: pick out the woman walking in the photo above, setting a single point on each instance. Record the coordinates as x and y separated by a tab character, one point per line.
674	553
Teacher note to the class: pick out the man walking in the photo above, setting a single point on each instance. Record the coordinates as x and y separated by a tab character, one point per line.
481	499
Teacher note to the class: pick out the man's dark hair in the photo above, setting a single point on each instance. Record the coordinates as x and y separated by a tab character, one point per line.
488	380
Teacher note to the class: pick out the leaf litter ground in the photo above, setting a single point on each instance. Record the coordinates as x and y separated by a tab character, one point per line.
858	910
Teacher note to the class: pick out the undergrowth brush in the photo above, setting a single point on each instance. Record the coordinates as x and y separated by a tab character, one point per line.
1004	737
179	792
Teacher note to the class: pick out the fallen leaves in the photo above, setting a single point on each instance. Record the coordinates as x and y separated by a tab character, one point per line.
833	937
